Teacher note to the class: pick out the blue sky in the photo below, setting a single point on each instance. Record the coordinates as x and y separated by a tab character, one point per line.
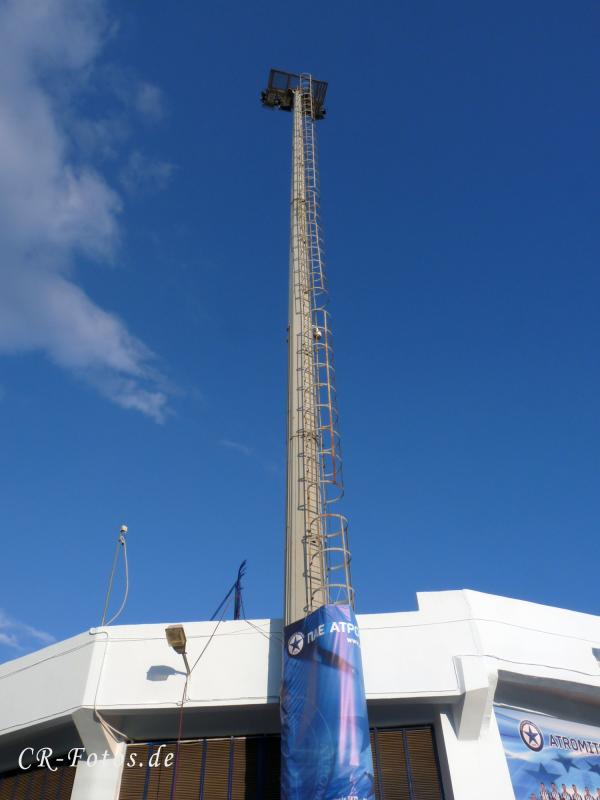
143	268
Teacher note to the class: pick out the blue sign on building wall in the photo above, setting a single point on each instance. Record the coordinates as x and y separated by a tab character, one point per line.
325	746
550	758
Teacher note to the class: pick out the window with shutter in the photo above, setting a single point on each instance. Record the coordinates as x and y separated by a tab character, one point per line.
424	771
393	776
39	783
405	763
248	768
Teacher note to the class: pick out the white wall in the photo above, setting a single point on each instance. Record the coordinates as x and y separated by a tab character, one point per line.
406	655
45	684
450	651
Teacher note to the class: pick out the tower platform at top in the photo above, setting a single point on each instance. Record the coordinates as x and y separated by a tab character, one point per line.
280	91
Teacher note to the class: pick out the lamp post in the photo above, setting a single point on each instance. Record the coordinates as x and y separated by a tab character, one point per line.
177	640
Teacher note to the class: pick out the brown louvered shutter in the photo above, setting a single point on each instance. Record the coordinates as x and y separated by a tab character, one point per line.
133	778
6	786
405	764
189	765
423	765
236	768
41	784
239	769
161	777
216	777
375	753
36	782
393	776
66	778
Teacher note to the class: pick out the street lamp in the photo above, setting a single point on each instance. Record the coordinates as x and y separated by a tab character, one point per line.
177	639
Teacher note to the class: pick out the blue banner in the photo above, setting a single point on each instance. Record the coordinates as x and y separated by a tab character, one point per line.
550	758
325	746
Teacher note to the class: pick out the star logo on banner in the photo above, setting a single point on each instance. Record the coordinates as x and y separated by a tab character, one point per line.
295	643
593	768
566	762
531	735
542	775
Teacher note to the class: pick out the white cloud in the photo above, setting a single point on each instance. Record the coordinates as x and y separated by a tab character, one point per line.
55	208
145	174
9	640
100	137
229	444
140	96
250	452
149	101
19	635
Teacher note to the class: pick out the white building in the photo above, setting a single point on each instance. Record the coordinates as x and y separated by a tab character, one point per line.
434	681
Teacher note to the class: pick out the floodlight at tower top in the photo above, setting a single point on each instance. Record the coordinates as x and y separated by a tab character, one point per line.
280	91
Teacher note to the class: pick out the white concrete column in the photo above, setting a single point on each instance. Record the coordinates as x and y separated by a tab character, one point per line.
98	775
477	767
478	686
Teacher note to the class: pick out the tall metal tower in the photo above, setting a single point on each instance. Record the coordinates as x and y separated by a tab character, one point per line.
317	568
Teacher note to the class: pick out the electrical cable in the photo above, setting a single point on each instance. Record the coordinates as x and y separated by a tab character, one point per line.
259	630
210	638
223	601
111	728
124	546
269	636
179	732
96	714
183	696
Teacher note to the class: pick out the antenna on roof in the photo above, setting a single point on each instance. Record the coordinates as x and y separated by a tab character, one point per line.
121	544
236	590
238	604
